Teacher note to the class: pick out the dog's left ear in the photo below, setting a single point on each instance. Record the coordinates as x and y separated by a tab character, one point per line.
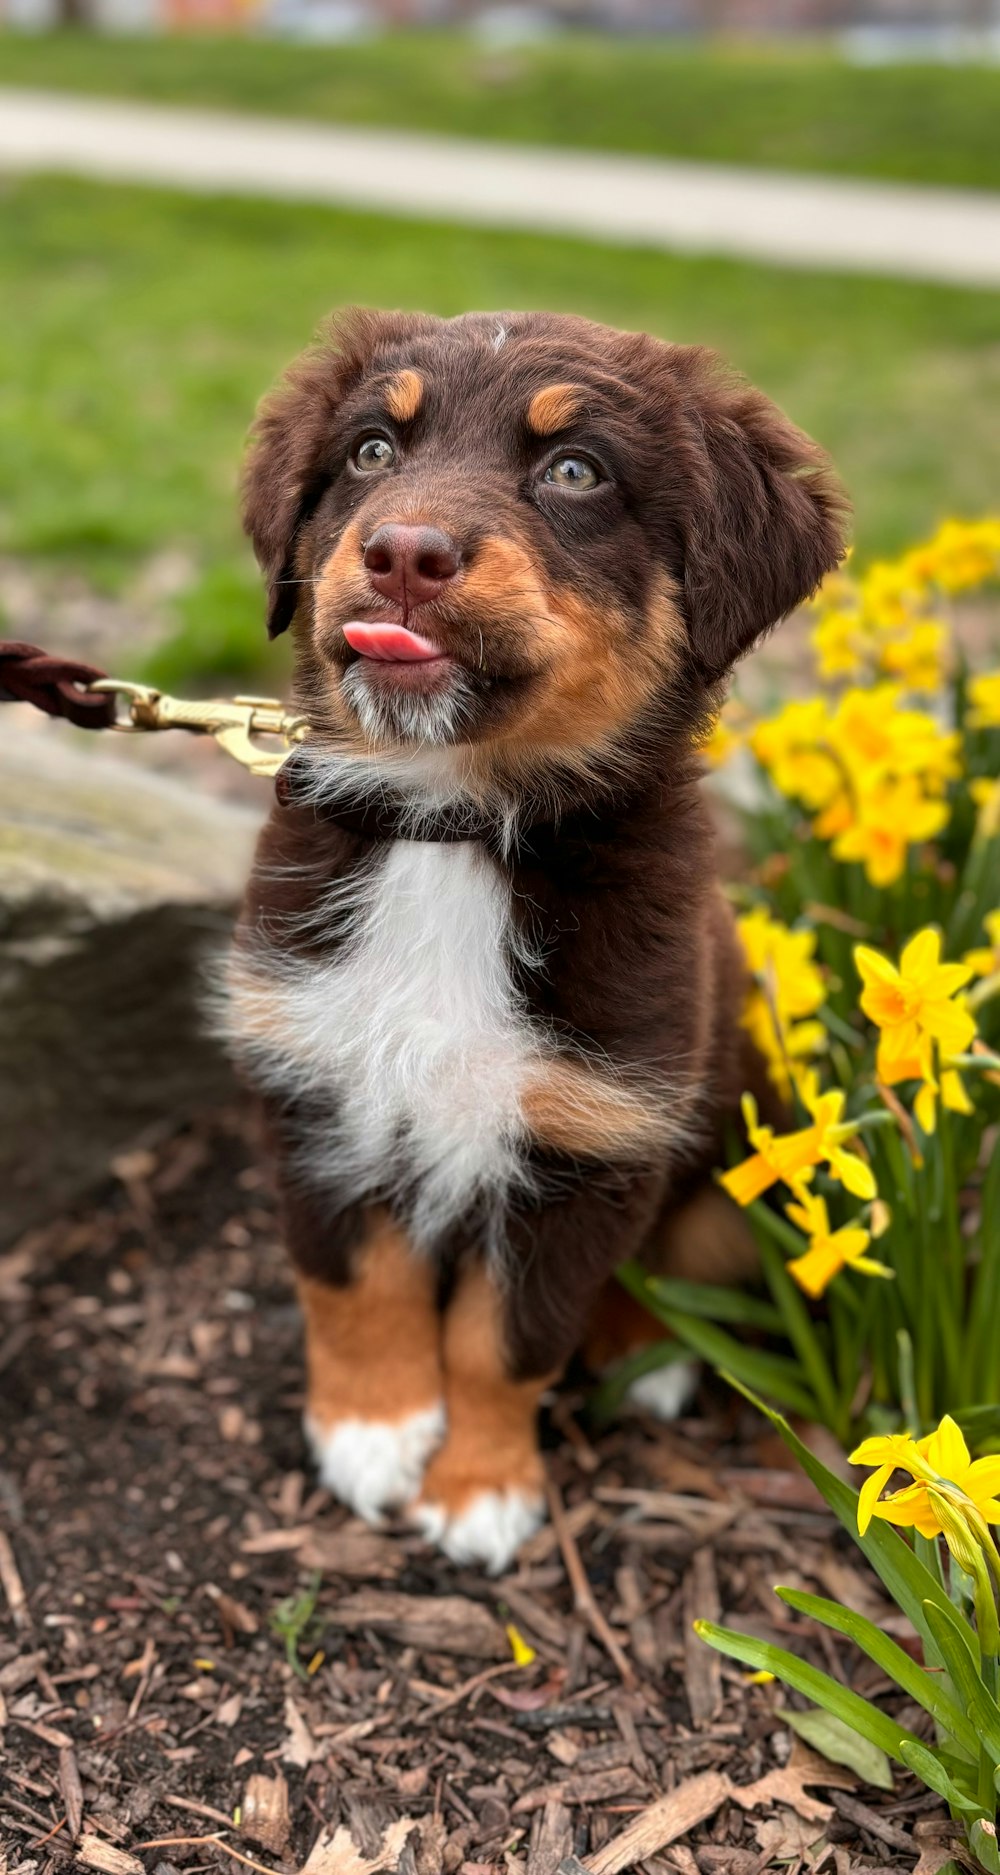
767	517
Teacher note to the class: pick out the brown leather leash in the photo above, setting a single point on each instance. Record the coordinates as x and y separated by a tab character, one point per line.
59	686
82	694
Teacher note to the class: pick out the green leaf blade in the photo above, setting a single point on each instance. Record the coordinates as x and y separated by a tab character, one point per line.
841	1743
764	1656
925	1765
926	1688
962	1668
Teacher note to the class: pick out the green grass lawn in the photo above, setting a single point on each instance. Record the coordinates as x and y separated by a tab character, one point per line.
138	328
798	107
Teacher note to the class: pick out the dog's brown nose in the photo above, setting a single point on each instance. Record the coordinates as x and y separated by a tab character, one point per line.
410	564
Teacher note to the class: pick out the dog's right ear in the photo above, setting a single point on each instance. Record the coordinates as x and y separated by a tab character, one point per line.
289	462
286	470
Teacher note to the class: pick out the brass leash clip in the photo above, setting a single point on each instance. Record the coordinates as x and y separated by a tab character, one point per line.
233	722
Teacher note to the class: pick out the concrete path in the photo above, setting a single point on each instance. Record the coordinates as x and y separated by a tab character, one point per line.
801	221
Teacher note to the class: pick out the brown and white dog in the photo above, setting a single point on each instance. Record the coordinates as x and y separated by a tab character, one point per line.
485	980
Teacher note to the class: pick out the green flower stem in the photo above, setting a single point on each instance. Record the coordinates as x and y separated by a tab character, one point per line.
804	1340
875	1117
975	895
983	1340
907	1383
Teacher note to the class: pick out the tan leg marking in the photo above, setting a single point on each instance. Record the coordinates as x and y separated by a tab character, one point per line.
483	1492
375	1409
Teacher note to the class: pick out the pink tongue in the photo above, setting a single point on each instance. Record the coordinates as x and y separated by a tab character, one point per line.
390	644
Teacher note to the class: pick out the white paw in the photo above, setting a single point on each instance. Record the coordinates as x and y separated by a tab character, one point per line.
666	1391
489	1532
375	1465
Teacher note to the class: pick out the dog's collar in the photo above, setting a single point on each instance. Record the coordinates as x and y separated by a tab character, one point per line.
388	816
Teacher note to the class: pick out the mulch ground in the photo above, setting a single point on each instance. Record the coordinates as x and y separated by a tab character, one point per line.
207	1665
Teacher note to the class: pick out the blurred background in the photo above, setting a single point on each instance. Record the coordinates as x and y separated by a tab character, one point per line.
140	324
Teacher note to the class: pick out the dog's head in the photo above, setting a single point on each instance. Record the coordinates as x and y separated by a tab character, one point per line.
536	539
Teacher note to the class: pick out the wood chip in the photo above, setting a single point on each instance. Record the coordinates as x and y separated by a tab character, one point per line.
228	1712
877	1825
785	1837
195	1808
787	1785
10	1582
353	1552
264	1812
440	1624
583	1594
937	1840
274	1542
300	1748
49	1734
551	1839
662	1823
233	1614
543	1624
94	1852
20	1672
702	1665
336	1852
72	1790
700	1519
580	1787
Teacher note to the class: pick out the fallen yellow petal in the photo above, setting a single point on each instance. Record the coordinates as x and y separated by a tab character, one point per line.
523	1654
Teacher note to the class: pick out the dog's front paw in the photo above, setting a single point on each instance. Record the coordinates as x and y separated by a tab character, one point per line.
480	1520
375	1465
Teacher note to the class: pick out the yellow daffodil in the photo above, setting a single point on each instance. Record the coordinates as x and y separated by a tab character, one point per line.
829	1251
946	1085
986	795
914	1004
984	699
889	1452
787	988
790	1158
959	557
721	743
984	961
876	736
949	1088
916	655
940	1460
792	747
839	642
888	819
890	590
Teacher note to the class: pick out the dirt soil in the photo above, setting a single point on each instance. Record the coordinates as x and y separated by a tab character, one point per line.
205	1664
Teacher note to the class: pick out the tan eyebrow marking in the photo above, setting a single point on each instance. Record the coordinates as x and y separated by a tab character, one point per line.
402	398
554	407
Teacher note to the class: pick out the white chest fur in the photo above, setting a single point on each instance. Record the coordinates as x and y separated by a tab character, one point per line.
414	1030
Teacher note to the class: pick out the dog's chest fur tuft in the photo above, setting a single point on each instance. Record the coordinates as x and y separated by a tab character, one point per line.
411	1040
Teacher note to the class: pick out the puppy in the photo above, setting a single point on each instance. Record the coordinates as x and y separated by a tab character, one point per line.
485	981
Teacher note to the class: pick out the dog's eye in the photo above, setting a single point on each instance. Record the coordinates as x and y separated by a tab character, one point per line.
374	453
572	472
